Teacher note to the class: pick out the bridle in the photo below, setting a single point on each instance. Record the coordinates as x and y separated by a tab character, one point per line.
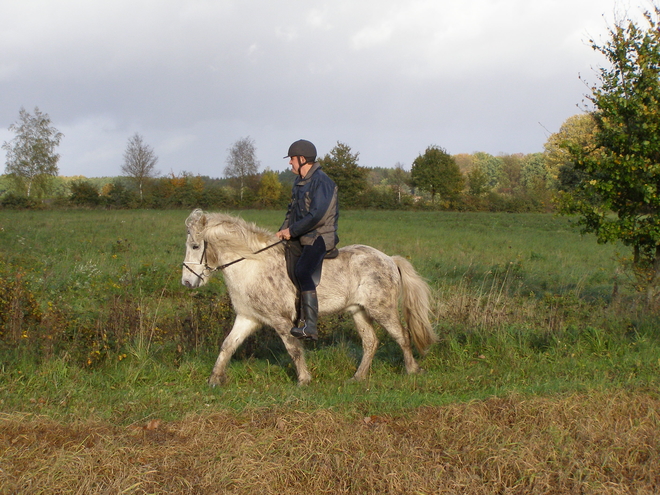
203	261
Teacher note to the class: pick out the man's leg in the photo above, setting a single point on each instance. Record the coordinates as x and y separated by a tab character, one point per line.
310	258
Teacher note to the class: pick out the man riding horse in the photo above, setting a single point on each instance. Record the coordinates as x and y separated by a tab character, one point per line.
310	227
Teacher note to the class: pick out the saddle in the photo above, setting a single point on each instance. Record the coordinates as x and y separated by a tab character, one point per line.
329	255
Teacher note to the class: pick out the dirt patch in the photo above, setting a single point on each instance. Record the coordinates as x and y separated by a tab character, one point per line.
597	443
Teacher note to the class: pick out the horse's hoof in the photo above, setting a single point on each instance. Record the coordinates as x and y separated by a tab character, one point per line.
217	380
304	382
416	371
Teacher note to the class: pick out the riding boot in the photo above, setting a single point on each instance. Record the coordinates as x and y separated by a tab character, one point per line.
306	328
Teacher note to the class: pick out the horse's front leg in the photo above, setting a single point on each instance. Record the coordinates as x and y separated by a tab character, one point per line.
295	349
242	329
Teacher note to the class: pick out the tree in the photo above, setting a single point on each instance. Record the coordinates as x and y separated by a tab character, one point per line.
534	173
31	157
511	174
436	172
477	181
465	162
616	194
537	186
491	167
398	179
242	162
576	131
342	167
139	162
270	188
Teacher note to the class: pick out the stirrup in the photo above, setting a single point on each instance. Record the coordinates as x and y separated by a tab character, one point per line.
302	333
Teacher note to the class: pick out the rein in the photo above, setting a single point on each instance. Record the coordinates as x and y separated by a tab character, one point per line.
221	267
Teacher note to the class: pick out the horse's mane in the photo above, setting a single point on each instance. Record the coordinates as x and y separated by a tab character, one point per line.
233	233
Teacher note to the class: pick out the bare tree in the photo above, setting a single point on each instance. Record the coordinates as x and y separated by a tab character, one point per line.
242	161
31	157
398	179
139	161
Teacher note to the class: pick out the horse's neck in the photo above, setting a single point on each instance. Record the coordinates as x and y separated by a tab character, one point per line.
227	256
226	252
243	275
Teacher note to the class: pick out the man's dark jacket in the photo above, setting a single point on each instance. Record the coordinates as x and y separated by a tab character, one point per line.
313	210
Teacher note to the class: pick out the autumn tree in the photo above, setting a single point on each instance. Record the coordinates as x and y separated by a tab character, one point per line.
536	181
534	171
242	162
465	162
577	131
477	181
31	158
511	174
270	188
491	166
139	162
617	192
437	173
341	165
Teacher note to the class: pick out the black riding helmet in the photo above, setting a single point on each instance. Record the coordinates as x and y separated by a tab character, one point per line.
302	147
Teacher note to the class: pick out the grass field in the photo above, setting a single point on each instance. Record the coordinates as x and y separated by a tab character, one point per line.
545	379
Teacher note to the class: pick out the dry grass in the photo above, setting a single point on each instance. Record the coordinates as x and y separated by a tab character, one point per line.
597	443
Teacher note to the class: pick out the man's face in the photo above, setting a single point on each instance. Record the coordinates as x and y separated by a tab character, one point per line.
295	162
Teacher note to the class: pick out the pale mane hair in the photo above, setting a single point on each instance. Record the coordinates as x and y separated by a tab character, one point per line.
238	236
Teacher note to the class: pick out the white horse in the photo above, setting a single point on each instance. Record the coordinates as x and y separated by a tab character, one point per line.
361	280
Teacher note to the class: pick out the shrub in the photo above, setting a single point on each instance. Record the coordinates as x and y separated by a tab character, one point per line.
84	193
18	202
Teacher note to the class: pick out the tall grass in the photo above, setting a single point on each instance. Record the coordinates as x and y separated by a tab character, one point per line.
91	302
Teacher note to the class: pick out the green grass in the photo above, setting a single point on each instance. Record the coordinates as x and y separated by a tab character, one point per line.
523	306
545	250
141	387
72	247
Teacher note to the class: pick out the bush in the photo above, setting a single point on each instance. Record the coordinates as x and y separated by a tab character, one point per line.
18	202
19	311
84	193
117	195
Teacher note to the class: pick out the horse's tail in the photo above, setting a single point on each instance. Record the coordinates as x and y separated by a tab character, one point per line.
416	297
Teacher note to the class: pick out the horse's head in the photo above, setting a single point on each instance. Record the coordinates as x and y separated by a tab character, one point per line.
211	236
195	265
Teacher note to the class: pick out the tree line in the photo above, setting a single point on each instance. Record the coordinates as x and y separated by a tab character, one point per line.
435	179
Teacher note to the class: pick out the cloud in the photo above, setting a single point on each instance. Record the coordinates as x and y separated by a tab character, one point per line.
386	77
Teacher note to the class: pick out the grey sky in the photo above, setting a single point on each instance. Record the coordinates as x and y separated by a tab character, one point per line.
386	77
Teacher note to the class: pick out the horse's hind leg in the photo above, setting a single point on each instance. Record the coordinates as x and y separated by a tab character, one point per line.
242	329
391	323
365	328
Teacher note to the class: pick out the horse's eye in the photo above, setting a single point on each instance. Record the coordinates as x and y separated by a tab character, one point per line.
195	246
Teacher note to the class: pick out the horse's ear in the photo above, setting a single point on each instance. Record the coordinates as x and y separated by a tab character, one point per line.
196	216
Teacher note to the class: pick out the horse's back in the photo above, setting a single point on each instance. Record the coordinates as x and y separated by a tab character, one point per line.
361	275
